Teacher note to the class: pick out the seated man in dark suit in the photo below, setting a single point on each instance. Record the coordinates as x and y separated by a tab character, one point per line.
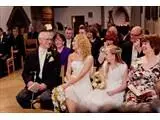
4	52
17	41
41	74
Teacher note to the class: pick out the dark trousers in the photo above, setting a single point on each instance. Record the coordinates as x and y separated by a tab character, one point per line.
17	61
24	98
2	67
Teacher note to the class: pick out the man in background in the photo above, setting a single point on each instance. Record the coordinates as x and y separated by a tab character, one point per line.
4	52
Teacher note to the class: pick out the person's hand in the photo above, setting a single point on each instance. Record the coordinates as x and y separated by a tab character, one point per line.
64	86
15	51
29	84
42	86
137	44
73	77
110	93
101	57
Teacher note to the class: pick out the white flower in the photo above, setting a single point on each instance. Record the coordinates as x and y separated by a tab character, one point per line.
63	107
98	80
101	86
136	62
58	99
94	84
49	53
48	26
51	59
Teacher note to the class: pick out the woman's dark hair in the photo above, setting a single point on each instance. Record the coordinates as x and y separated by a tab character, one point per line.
154	41
1	29
94	31
61	36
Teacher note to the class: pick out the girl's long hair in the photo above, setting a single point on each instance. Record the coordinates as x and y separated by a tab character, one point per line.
117	52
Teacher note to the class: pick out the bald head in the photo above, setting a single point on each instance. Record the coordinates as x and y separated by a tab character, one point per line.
136	30
136	33
113	29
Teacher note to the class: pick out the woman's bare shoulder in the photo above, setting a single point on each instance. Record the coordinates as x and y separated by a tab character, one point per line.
72	56
89	58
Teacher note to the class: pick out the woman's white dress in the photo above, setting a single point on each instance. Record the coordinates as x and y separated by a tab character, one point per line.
79	90
98	98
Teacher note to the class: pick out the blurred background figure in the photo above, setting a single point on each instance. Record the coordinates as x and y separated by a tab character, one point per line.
69	37
95	42
33	34
82	29
4	52
17	41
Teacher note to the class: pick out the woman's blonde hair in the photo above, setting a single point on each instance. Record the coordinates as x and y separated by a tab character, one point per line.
83	44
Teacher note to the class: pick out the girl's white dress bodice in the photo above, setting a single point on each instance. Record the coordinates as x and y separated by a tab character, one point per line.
79	90
98	98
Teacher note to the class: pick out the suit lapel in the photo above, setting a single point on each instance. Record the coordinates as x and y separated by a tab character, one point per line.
37	62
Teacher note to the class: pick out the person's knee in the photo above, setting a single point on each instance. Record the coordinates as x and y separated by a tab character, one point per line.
45	97
19	97
46	101
23	99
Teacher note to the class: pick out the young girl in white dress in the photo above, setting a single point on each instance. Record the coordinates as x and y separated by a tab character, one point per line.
115	72
78	84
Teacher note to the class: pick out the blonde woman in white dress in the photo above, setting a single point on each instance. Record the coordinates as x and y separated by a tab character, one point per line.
115	73
78	84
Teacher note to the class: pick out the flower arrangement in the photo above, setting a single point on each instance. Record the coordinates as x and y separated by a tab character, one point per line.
58	99
98	80
136	63
49	56
49	53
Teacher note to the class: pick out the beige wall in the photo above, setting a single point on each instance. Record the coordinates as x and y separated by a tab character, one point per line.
152	26
118	20
63	15
5	13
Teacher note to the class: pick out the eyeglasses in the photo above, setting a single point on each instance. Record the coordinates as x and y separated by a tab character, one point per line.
48	39
135	34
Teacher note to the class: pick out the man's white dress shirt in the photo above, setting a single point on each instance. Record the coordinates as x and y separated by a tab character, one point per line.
42	56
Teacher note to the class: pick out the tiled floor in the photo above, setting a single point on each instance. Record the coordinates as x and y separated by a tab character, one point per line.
9	87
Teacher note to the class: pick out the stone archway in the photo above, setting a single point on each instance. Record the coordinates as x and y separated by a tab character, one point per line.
18	18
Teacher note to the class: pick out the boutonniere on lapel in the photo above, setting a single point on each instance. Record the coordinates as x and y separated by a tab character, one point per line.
49	56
